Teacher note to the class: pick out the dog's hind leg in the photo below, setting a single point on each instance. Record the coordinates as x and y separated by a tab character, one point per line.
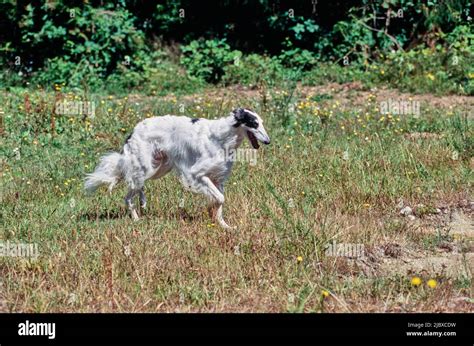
142	198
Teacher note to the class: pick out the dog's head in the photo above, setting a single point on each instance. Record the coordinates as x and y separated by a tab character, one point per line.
253	126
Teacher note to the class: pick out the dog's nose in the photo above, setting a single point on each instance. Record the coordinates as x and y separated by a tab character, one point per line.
267	141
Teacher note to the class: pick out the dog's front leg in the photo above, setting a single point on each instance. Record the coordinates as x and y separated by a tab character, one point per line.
220	218
218	197
212	208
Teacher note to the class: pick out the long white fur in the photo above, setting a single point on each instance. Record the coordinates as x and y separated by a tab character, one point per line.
195	151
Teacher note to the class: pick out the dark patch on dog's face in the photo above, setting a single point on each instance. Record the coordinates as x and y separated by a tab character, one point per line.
195	120
243	117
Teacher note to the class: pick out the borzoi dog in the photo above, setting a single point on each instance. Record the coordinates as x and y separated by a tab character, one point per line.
197	149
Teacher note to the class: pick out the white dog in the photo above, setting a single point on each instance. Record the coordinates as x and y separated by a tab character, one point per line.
197	149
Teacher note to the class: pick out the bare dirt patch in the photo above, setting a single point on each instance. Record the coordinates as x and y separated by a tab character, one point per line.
451	254
352	95
451	265
410	261
462	224
349	95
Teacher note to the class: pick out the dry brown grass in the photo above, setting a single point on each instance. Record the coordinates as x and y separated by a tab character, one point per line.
94	258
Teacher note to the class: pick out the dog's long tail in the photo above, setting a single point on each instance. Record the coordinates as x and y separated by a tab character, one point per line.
108	172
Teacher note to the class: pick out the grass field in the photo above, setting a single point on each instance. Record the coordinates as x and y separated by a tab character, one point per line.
337	172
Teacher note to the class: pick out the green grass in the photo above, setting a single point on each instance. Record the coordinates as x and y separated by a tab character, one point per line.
344	170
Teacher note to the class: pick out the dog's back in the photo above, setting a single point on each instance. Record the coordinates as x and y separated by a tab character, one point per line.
172	126
179	136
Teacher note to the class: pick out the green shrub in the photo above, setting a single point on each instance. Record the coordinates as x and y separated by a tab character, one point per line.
89	43
445	68
157	75
251	70
207	59
112	45
59	70
298	58
324	73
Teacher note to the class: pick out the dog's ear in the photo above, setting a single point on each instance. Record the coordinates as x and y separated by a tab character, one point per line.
243	116
239	115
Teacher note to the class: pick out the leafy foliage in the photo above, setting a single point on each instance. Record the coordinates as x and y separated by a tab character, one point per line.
117	44
208	59
253	70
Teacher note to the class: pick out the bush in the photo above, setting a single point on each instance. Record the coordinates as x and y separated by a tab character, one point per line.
207	59
157	75
105	45
65	44
59	70
444	68
298	58
324	73
251	70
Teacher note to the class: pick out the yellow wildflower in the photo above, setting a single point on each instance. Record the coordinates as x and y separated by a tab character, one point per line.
416	281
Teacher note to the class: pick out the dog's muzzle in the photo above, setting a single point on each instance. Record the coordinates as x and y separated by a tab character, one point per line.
256	137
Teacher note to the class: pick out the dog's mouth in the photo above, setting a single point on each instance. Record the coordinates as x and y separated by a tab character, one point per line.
253	140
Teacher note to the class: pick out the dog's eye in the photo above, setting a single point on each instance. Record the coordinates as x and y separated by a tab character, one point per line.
252	124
